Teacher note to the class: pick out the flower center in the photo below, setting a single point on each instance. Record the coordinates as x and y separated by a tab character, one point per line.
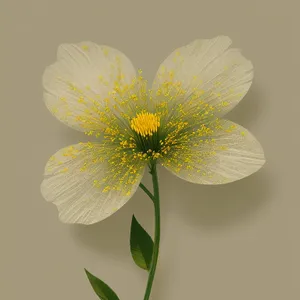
145	123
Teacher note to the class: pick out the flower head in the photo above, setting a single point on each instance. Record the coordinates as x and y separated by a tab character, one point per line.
176	123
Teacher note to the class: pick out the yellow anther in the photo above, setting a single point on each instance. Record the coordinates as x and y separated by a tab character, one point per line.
145	123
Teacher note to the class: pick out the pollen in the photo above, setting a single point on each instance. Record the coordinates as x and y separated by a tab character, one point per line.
145	123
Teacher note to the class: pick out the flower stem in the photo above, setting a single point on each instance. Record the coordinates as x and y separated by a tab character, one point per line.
153	172
143	187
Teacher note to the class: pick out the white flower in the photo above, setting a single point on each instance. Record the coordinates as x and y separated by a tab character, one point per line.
178	123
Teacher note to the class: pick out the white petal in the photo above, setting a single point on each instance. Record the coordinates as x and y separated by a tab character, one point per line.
206	71
227	153
81	80
83	185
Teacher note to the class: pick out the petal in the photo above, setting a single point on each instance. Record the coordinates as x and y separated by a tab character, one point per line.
85	186
222	153
204	72
82	80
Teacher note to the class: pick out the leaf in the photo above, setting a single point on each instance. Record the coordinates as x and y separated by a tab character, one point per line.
103	291
141	245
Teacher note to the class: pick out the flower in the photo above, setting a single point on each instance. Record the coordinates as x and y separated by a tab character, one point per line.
176	123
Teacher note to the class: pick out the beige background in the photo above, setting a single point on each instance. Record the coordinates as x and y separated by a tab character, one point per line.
232	242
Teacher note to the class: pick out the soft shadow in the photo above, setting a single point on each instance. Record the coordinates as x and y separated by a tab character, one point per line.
220	206
108	236
250	108
71	136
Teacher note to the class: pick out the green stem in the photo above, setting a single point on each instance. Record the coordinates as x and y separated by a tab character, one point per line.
155	199
147	191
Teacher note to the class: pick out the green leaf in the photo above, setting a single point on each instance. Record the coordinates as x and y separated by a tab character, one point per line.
103	291
141	245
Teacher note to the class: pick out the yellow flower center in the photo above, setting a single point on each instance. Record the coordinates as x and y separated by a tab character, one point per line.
145	123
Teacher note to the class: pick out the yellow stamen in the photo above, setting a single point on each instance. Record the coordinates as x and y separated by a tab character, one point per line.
145	123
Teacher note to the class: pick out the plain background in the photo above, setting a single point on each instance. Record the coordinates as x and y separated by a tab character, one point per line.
232	242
